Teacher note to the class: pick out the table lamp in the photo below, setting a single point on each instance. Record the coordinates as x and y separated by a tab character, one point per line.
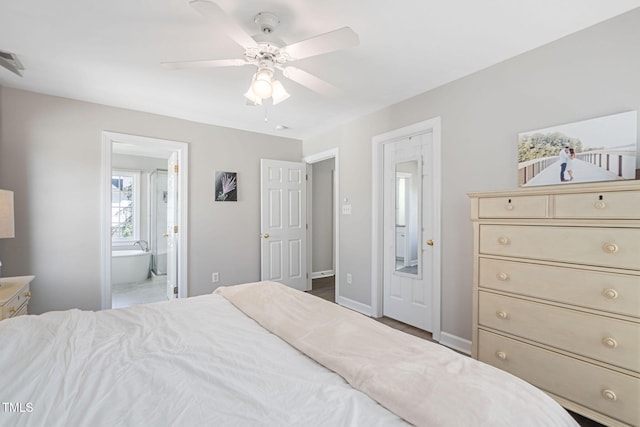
6	217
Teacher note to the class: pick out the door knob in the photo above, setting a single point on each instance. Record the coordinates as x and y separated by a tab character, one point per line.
430	242
265	235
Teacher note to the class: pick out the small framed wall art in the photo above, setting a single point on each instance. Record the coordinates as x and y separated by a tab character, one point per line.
226	187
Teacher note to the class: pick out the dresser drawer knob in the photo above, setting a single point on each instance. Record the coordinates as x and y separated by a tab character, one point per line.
503	241
610	342
610	293
27	294
509	207
610	248
600	204
501	355
12	309
503	276
501	314
609	394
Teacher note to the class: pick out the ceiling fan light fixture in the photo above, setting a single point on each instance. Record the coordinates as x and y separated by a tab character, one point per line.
252	98
261	85
268	54
279	93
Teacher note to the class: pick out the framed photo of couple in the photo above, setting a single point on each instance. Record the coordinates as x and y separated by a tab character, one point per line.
599	149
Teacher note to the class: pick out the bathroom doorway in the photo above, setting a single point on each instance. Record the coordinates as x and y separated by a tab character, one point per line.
143	255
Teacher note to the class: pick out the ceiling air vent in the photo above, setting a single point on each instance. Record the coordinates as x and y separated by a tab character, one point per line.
11	62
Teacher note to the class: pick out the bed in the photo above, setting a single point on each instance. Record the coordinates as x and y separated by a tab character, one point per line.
258	354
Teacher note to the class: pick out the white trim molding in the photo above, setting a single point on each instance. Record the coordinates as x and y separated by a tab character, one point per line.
355	306
319	274
456	343
378	141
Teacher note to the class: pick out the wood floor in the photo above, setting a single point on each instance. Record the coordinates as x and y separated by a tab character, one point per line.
324	288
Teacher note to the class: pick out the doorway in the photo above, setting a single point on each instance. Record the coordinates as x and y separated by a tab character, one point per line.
150	176
406	225
322	208
408	231
323	219
283	223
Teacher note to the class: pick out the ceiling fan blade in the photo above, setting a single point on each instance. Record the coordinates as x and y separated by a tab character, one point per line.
10	66
221	20
310	81
341	38
207	63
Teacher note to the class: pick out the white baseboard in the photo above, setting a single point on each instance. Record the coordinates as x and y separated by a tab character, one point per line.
456	343
448	340
325	273
355	305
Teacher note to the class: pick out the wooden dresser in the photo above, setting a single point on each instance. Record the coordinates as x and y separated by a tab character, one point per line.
557	293
14	296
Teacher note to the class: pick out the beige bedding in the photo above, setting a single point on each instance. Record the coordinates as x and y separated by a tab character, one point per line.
423	382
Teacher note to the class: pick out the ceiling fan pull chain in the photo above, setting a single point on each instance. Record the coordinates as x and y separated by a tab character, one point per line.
266	118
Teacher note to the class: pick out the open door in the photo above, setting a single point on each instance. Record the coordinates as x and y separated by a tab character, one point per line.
283	223
172	236
177	202
408	231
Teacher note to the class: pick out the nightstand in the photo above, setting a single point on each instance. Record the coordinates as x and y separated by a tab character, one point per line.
14	296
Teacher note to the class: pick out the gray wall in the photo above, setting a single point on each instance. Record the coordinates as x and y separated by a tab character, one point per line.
50	156
591	73
322	238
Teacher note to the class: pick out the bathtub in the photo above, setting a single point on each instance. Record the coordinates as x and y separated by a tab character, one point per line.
129	266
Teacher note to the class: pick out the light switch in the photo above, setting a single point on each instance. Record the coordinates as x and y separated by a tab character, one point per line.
346	209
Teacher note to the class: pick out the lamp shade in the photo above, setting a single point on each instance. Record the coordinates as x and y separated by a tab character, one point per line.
279	94
261	84
6	214
252	98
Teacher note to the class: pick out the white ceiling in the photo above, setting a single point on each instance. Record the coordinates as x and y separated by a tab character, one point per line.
109	52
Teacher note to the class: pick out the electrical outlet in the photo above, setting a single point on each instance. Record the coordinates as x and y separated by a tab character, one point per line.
215	277
349	278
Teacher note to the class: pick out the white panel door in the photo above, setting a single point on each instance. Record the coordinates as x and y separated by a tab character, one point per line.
172	226
408	231
283	223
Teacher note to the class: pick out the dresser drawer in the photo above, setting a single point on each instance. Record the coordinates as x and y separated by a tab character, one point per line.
14	306
22	310
607	247
615	293
613	205
613	341
611	393
513	207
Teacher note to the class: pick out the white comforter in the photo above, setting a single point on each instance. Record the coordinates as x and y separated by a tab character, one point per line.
191	362
423	382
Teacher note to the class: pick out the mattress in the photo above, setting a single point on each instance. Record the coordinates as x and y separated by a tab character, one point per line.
203	361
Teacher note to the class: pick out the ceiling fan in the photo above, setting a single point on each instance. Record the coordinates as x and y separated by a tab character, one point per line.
268	55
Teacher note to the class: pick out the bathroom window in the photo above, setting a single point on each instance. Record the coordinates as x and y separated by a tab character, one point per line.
125	206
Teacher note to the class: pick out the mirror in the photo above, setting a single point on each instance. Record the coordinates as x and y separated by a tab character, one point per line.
407	218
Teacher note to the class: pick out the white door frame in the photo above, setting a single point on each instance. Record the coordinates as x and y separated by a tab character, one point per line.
315	158
377	252
141	143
